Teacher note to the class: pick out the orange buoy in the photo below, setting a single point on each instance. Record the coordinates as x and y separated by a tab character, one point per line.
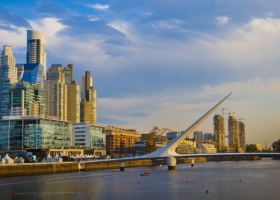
207	191
13	192
43	183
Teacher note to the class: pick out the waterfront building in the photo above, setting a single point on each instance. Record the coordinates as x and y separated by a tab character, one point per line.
88	136
187	146
219	132
27	99
34	132
56	92
119	141
198	135
36	49
203	147
88	109
233	133
8	73
34	73
242	141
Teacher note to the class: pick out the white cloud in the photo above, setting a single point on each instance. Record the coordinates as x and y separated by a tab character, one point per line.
99	6
222	20
49	26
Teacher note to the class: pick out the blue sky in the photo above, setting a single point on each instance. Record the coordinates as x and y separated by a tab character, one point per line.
163	63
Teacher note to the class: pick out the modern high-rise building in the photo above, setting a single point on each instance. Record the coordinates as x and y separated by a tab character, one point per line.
56	92
88	109
219	132
198	135
242	142
73	95
8	74
36	49
233	133
27	99
33	73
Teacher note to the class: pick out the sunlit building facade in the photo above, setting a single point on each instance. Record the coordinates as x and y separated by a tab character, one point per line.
34	132
219	132
36	49
8	74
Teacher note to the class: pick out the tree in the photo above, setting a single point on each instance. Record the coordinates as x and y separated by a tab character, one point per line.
276	145
251	148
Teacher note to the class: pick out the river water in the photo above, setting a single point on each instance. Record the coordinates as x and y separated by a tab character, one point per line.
223	180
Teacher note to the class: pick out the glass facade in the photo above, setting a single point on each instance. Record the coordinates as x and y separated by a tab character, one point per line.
34	133
98	138
5	91
34	73
34	98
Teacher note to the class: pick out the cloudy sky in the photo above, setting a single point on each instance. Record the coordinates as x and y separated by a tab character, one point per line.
163	63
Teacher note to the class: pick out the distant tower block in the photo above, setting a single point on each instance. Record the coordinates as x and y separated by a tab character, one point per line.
219	132
242	141
233	133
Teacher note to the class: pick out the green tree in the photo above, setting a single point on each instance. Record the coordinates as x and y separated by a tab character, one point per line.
251	148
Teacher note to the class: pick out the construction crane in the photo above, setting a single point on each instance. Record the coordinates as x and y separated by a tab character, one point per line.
152	137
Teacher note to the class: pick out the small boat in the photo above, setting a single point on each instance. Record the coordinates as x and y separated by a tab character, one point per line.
145	174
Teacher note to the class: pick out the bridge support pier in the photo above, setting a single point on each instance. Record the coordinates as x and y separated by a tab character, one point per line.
192	162
122	166
171	163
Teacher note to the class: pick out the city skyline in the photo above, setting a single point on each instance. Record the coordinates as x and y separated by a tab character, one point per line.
163	64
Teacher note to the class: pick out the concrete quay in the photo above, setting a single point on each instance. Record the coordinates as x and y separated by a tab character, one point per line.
27	169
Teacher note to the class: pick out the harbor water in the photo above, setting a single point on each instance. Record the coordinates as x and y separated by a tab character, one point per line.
208	180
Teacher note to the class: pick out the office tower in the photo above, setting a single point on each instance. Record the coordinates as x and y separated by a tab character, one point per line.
198	135
242	142
88	103
27	99
8	74
219	132
20	71
33	73
56	92
233	133
83	86
73	95
71	67
67	74
36	49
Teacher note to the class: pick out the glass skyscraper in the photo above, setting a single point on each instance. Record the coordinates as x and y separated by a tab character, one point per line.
34	73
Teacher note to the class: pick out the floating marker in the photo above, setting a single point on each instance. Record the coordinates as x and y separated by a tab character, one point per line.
13	192
87	182
207	191
240	180
43	183
187	181
138	181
